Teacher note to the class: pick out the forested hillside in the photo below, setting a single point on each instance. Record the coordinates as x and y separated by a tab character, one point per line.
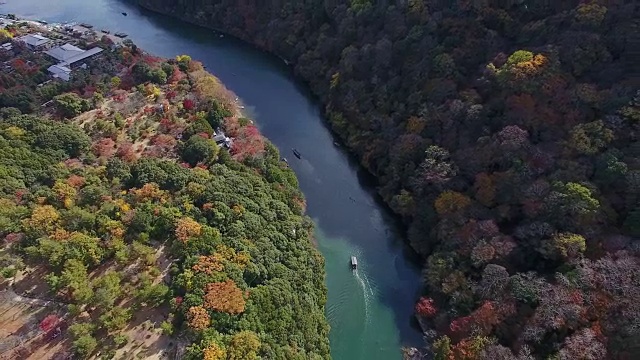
505	133
116	205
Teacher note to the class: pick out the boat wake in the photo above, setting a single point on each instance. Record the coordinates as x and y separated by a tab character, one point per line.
367	293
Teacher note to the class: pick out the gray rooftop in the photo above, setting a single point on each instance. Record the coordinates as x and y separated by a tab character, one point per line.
64	52
82	56
34	39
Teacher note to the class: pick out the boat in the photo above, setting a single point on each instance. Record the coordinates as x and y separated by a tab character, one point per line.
88	26
105	31
297	153
284	159
354	263
120	35
124	13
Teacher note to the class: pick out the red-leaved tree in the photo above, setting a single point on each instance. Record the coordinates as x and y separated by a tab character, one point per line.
249	143
425	307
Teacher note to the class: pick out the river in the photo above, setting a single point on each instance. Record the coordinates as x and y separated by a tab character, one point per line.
369	310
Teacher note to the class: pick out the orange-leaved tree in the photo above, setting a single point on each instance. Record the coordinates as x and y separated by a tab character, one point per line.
187	228
224	297
198	318
214	352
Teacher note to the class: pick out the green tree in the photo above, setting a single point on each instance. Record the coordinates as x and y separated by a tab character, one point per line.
243	346
632	222
199	150
64	137
153	295
116	168
85	248
21	98
83	342
570	200
610	169
183	62
84	346
565	246
519	57
590	138
115	82
71	104
197	127
107	290
75	279
442	348
115	319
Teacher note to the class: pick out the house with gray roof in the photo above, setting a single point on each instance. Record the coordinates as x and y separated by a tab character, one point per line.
70	57
64	52
60	72
77	59
35	41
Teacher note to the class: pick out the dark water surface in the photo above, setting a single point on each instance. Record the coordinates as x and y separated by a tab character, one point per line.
370	311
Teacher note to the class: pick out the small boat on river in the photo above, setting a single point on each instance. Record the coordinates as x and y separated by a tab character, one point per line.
120	35
297	153
85	25
124	13
354	263
105	31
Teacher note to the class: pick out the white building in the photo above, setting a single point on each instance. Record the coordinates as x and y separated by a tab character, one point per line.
35	41
60	72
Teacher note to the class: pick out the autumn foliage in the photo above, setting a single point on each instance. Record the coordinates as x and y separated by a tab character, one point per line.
187	228
425	307
198	318
248	143
117	211
214	352
451	202
224	297
49	322
188	104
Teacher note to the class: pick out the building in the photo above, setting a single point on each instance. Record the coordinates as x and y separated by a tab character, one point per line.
72	56
5	22
64	52
77	60
222	140
35	41
7	47
60	72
